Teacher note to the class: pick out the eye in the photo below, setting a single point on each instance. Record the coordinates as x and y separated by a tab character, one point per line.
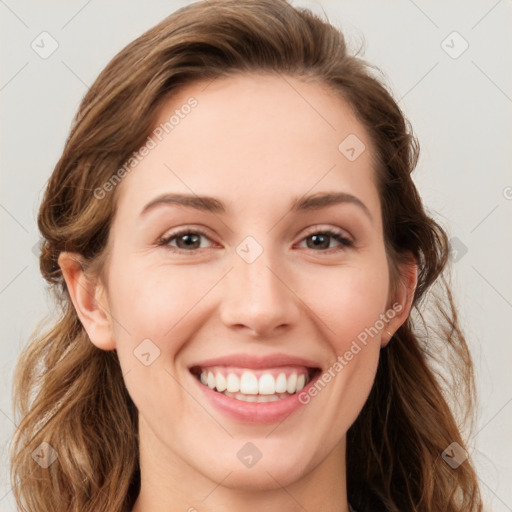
187	240
321	239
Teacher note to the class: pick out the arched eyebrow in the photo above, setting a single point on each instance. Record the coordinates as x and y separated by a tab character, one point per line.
325	199
203	203
214	205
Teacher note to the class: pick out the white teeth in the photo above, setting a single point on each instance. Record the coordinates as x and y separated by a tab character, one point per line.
255	398
211	380
220	382
249	385
281	383
291	385
266	385
233	383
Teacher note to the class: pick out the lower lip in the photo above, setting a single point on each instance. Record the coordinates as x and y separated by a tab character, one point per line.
254	412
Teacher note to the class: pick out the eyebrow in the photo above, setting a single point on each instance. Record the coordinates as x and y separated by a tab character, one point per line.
214	205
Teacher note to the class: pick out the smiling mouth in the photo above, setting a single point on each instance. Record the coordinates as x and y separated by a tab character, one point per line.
250	385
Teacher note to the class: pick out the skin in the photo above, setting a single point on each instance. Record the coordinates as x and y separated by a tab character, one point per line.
255	142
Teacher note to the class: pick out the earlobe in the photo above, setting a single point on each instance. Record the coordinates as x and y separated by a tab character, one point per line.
88	299
402	300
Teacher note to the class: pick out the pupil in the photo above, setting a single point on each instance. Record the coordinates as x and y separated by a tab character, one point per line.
320	238
189	239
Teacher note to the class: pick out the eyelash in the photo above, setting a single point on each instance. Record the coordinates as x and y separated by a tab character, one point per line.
337	235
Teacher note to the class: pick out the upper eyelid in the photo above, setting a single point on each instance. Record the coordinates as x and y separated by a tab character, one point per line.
206	232
320	229
184	230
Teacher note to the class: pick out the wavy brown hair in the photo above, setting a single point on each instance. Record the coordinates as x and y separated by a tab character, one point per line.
71	394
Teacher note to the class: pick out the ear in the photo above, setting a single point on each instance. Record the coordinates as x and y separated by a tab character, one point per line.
401	300
89	299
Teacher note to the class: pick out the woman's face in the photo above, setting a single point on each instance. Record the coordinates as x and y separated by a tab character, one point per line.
246	286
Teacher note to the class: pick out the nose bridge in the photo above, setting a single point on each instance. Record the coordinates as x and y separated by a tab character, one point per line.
257	294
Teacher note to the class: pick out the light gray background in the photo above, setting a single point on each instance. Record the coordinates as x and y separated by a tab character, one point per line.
461	110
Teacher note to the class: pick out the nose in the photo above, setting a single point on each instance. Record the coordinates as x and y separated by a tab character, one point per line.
259	296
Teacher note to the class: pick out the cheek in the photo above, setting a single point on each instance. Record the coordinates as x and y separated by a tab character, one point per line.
152	303
150	326
351	302
351	306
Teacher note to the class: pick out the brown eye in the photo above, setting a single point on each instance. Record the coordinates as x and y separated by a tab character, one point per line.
322	240
186	240
190	241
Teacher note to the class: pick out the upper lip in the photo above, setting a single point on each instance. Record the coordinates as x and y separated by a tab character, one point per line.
256	361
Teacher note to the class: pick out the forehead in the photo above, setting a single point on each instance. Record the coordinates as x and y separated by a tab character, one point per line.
254	137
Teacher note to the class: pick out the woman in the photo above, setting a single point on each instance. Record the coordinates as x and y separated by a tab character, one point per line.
246	275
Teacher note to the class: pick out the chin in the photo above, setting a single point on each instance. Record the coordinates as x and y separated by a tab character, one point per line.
262	477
